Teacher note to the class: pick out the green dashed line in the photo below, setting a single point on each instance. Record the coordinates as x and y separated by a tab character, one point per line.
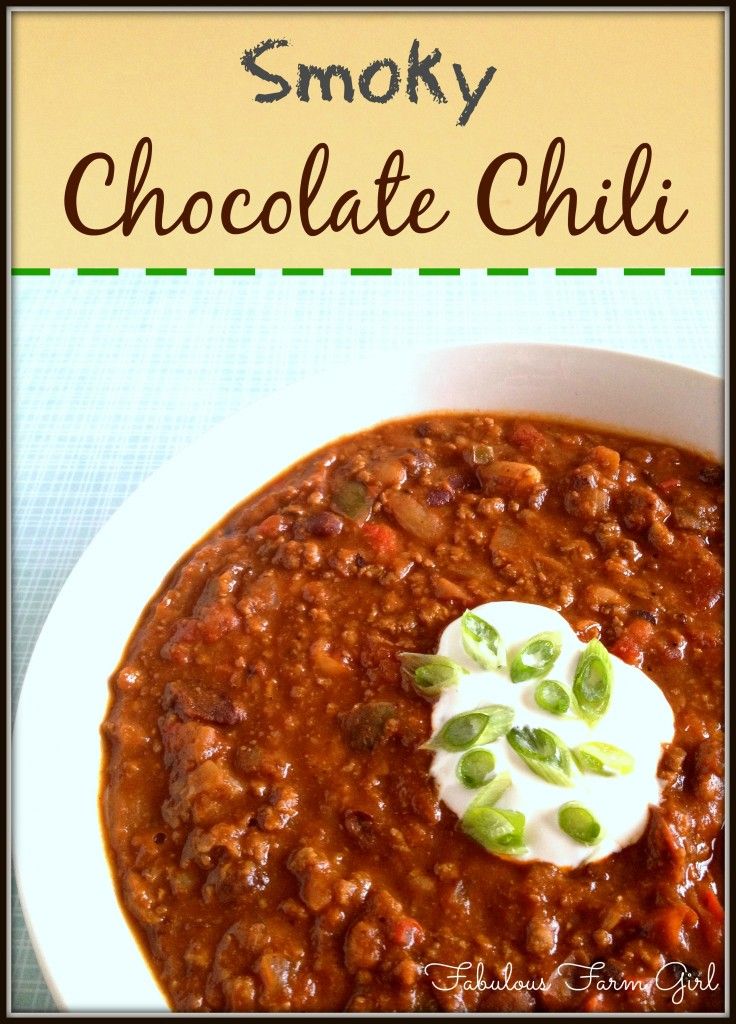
366	271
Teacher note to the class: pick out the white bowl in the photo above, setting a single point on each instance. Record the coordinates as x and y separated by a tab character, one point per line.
89	957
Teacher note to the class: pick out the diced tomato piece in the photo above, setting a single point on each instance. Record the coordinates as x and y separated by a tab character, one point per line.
710	902
630	645
382	539
627	650
406	931
707	905
710	913
271	526
641	630
670	486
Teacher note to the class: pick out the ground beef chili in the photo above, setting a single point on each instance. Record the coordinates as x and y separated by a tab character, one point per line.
275	836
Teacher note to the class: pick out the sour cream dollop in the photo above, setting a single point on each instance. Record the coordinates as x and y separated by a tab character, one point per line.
639	720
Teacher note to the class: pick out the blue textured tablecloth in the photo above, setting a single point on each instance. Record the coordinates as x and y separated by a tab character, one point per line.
113	375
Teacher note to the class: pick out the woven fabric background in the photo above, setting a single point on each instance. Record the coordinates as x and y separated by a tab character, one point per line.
113	375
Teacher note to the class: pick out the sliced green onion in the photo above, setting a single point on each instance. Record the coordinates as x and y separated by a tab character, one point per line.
544	753
353	500
498	831
500	717
481	454
459	732
580	824
552	696
602	759
474	768
536	657
471	728
429	674
481	641
591	688
491	792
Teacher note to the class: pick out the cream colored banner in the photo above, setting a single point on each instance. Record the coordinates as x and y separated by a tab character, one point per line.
605	83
